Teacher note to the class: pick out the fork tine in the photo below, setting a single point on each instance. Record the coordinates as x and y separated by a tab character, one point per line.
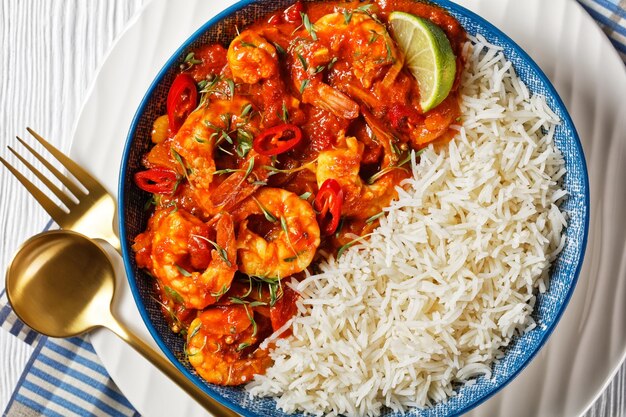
74	189
65	199
50	206
76	170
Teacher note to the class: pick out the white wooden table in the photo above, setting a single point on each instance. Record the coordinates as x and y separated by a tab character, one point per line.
50	51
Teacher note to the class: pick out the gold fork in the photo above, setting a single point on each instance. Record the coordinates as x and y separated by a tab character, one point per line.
89	212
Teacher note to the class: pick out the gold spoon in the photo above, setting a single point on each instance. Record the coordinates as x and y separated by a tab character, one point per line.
61	284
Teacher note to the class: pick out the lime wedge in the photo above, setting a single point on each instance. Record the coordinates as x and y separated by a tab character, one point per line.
428	54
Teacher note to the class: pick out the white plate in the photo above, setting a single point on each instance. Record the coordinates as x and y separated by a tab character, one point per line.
590	341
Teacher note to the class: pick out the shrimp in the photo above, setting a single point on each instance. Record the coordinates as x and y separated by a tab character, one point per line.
252	58
361	41
196	261
309	60
360	45
290	243
222	344
343	164
194	146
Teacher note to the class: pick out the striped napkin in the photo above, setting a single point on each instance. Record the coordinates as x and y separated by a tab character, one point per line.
64	377
611	16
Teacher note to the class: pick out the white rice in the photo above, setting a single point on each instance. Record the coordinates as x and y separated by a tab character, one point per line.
434	296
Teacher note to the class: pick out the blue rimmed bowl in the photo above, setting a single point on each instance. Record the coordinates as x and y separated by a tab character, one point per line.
549	306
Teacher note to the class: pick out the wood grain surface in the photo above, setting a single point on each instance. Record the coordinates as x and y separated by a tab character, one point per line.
50	51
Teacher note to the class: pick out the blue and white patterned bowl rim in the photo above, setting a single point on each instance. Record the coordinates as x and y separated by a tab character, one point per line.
549	307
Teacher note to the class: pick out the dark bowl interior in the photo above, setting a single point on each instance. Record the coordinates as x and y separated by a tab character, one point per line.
549	307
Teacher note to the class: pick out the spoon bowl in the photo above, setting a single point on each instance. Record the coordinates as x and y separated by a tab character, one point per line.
61	283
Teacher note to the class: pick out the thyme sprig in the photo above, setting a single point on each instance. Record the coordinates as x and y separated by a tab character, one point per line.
251	318
302	61
227	171
274	170
179	159
304	85
275	288
347	14
189	355
173	294
220	250
388	169
195	331
183	271
242	346
221	292
268	216
177	324
247	44
223	133
284	116
285	228
279	48
348	245
310	27
247	172
189	61
373	218
212	86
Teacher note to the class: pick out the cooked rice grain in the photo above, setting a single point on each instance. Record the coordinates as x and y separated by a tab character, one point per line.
438	291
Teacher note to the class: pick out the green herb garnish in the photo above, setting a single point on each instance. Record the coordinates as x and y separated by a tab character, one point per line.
246	110
350	244
374	217
242	346
285	114
182	271
222	252
247	173
279	48
244	142
268	216
308	25
388	169
304	85
221	292
231	88
373	37
190	61
179	159
172	294
347	16
302	61
274	170
195	331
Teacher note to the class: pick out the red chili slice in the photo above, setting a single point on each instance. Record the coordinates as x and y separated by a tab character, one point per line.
292	13
157	180
277	139
181	100
327	203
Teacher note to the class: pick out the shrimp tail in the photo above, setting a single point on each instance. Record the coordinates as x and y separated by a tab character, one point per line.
330	99
242	184
384	136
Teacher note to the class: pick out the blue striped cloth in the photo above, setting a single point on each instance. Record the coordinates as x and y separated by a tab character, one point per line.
611	16
65	377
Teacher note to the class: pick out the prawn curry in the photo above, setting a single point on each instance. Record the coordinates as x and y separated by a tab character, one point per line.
276	149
